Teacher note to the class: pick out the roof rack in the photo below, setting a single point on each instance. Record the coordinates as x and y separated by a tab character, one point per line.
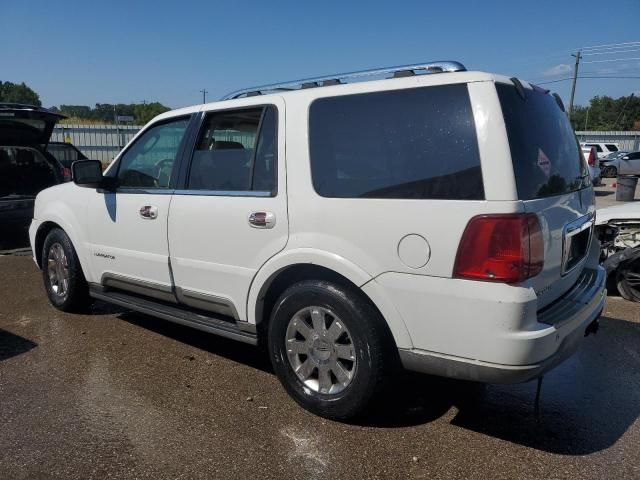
337	79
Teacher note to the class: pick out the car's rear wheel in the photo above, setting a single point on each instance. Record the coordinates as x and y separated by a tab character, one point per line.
628	280
609	172
330	348
63	278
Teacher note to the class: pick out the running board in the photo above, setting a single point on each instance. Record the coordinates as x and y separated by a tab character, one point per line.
175	314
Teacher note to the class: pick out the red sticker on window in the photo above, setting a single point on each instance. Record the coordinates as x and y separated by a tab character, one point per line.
544	163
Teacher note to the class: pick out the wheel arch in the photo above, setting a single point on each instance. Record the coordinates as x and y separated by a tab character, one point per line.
41	234
281	272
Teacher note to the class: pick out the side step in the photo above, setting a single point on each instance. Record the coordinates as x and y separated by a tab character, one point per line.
175	314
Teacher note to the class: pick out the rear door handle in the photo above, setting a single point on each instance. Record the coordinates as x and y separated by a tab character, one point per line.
262	220
149	212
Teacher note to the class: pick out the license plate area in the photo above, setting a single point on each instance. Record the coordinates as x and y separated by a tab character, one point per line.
576	242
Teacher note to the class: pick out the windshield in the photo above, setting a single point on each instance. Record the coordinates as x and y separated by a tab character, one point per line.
544	149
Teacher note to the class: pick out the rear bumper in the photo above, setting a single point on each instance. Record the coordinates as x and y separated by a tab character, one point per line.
505	348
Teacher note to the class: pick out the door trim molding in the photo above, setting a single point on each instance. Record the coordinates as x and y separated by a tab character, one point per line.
205	301
136	285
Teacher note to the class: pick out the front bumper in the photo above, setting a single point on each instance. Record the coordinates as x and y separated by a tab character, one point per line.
518	356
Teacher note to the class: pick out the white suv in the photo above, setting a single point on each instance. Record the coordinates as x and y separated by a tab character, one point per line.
439	219
602	149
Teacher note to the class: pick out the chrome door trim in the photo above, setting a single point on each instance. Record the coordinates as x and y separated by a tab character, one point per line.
224	193
570	230
262	220
208	302
136	285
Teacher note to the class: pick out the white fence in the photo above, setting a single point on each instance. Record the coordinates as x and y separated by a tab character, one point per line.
628	141
97	142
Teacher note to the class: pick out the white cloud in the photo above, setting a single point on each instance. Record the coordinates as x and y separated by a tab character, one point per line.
560	69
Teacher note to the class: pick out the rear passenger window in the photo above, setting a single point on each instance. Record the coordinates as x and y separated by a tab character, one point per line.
611	148
236	152
417	143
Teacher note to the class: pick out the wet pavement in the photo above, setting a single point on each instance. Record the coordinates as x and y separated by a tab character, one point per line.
121	395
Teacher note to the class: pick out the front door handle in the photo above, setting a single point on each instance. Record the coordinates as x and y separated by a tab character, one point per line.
262	220
149	212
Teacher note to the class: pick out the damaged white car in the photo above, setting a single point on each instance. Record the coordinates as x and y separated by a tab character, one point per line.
618	228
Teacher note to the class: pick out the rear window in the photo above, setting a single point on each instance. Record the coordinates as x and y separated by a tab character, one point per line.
545	152
24	171
65	154
417	144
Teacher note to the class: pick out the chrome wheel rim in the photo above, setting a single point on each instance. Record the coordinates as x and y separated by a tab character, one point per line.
58	270
320	350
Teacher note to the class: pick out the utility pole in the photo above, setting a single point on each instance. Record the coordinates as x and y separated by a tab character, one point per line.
586	120
204	95
573	86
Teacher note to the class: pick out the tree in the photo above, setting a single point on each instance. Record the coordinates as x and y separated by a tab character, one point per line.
606	113
106	112
147	111
18	93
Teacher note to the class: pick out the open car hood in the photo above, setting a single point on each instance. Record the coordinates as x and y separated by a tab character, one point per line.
626	211
26	125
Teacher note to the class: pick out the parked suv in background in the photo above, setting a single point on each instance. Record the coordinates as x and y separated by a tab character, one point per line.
25	166
602	149
318	218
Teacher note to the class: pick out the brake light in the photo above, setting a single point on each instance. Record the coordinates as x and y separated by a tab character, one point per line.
592	158
501	248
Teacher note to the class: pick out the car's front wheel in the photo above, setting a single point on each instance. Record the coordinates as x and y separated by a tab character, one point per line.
63	278
628	280
609	172
330	348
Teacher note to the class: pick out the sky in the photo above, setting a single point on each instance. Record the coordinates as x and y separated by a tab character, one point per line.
117	51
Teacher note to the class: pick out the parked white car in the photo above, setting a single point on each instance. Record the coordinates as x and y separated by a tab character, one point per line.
590	156
602	149
610	164
319	218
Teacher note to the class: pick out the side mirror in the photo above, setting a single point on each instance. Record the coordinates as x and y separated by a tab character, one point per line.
87	173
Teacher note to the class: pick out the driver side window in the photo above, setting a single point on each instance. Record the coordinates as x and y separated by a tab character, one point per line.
149	162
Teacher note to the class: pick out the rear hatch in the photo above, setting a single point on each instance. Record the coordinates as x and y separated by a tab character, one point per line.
552	180
26	126
25	167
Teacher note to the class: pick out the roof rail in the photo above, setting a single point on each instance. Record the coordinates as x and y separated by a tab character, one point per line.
398	71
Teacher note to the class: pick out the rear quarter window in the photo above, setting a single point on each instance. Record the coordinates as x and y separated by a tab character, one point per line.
546	156
415	144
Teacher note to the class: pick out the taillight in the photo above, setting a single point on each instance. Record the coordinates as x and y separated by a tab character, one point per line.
592	158
66	172
501	248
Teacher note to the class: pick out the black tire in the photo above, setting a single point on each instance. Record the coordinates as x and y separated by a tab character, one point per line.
75	297
376	358
628	280
610	172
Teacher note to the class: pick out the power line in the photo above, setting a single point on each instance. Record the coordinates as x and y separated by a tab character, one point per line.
613	60
615	51
610	45
587	76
